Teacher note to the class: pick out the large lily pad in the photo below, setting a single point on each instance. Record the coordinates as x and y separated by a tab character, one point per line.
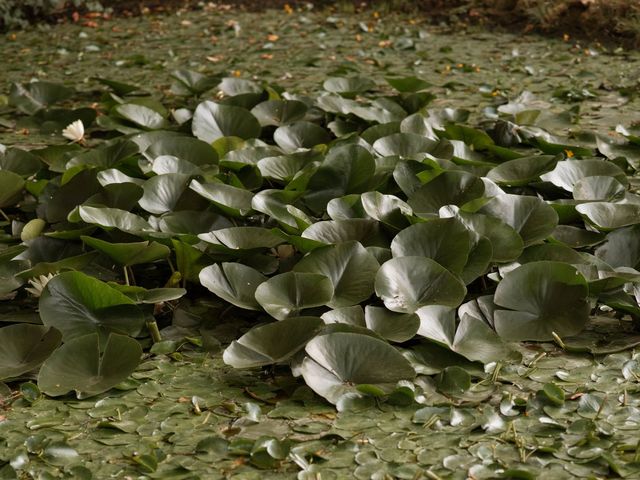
272	343
449	188
132	253
24	347
539	299
338	361
77	304
212	121
531	217
233	282
287	294
88	367
607	216
11	185
407	283
444	240
349	266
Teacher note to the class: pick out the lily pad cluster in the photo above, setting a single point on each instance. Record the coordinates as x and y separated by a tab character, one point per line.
367	232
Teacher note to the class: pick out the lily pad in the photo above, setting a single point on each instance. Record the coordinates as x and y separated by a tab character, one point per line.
407	283
84	365
23	347
212	121
287	294
337	362
541	299
349	266
233	282
77	304
272	343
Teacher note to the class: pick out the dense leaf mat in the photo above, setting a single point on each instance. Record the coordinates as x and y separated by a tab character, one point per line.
399	204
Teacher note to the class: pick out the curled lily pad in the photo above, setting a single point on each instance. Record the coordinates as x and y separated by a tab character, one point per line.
607	216
337	362
348	86
444	240
77	304
448	188
109	218
129	253
229	199
531	217
568	172
242	238
234	282
24	347
272	343
279	112
142	115
349	266
162	192
11	185
84	365
539	299
212	121
287	294
300	135
407	283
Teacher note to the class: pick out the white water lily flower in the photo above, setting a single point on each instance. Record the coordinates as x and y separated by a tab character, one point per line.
74	131
38	284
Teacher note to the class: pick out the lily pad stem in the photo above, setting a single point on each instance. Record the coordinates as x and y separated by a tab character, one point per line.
4	215
154	331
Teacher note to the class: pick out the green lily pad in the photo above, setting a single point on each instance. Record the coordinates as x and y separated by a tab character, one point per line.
407	283
444	240
23	347
287	294
233	282
229	199
11	185
338	361
77	304
128	254
530	217
349	266
34	96
542	298
279	112
607	216
212	121
300	135
84	365
272	343
448	188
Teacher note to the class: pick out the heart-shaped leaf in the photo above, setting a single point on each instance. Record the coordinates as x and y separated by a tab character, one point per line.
234	282
77	304
271	343
407	283
349	266
287	294
24	347
337	362
542	298
83	365
212	121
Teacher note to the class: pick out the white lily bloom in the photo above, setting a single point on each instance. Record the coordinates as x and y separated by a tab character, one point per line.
74	131
38	284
